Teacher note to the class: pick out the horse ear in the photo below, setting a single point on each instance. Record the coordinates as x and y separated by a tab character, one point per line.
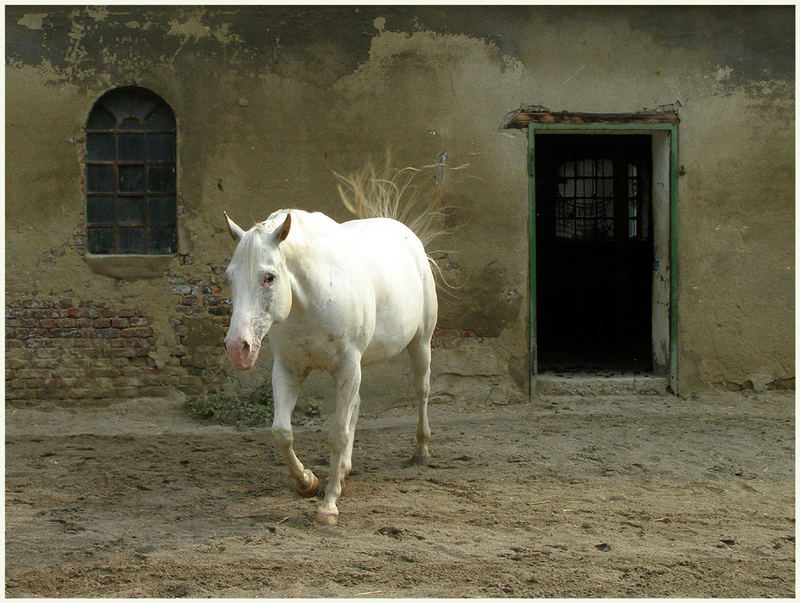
236	231
283	232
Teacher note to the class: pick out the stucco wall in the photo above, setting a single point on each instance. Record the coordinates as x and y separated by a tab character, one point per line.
270	100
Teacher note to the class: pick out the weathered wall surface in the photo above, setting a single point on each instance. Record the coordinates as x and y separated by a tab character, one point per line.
269	100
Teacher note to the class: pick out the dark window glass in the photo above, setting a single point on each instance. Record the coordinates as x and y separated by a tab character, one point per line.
131	179
131	209
100	178
130	147
131	240
100	240
101	120
100	210
162	240
118	103
99	147
161	210
131	174
161	147
131	124
142	106
161	118
161	179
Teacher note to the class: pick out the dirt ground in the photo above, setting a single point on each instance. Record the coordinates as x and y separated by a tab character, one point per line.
559	497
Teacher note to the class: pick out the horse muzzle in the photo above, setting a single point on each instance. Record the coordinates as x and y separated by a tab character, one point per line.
243	354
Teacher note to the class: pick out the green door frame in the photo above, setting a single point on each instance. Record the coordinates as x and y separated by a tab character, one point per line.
618	128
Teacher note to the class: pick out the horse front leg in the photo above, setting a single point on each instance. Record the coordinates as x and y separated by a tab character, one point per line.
342	433
286	388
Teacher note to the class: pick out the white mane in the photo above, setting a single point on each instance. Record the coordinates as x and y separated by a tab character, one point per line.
249	251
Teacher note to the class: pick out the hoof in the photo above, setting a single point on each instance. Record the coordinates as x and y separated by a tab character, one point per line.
327	518
312	489
421	459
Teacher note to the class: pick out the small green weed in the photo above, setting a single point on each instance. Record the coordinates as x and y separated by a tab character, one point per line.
234	408
229	405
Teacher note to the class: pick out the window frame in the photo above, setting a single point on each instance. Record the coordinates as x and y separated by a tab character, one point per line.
157	212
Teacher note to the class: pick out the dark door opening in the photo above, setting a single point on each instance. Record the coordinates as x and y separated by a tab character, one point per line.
594	252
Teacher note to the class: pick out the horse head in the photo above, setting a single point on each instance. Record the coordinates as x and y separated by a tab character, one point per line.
261	291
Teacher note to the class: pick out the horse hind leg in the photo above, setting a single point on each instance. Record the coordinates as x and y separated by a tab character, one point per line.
419	351
347	458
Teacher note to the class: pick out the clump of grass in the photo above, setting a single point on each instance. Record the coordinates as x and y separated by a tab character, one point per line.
312	409
228	404
236	408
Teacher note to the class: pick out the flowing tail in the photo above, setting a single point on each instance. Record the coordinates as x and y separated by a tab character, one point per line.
413	196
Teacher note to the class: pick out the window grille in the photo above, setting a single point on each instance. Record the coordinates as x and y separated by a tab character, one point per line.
584	207
131	174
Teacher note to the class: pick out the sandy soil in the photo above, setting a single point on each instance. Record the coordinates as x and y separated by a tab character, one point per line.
561	497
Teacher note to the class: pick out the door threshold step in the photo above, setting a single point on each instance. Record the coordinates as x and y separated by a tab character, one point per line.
599	385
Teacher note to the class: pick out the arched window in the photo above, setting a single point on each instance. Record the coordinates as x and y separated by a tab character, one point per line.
130	174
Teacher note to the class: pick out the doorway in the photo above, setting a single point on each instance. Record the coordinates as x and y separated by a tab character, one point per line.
594	252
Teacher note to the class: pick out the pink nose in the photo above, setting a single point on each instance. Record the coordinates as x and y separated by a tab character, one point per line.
243	356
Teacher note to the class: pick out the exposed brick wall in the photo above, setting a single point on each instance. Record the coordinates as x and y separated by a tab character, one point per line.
73	351
198	298
78	352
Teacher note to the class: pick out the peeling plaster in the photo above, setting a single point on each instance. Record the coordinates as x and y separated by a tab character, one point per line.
425	50
99	13
191	29
139	26
723	73
32	20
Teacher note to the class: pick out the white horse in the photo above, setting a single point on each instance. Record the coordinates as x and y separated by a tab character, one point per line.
335	297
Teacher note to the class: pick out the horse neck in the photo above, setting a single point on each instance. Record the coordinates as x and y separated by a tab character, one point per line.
308	255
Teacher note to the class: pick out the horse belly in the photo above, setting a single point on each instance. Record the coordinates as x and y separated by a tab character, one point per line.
399	317
387	345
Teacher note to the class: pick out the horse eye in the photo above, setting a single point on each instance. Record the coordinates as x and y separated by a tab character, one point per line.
268	279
